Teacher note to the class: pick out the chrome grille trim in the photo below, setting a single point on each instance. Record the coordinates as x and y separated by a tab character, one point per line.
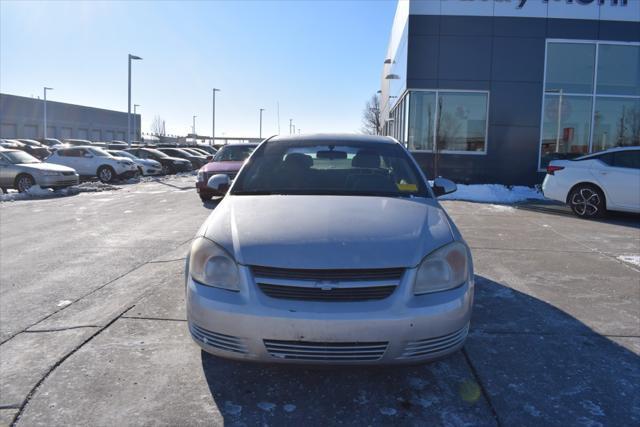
425	347
340	275
312	293
219	341
330	351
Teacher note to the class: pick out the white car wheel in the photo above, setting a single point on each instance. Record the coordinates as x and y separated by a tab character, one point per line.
106	173
587	201
24	182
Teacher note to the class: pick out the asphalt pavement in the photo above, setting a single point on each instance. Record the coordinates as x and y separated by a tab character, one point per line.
93	330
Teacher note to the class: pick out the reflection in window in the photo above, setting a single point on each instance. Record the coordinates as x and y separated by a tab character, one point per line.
616	123
570	67
566	127
422	110
618	70
462	121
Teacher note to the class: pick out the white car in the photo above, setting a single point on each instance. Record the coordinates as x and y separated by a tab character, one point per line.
145	166
94	161
595	183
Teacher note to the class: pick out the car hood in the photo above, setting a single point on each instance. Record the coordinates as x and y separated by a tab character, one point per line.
222	167
177	159
148	162
328	232
46	167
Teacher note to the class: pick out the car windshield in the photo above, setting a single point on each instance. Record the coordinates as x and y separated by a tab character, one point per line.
119	153
99	152
234	153
360	169
19	157
156	153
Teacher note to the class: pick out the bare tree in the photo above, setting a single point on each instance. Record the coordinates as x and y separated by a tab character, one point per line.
157	126
371	116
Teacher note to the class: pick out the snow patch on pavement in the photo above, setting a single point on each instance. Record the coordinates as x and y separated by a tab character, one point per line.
493	193
631	259
37	192
289	407
267	406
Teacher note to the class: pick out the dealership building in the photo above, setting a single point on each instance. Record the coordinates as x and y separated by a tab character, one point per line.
489	91
22	117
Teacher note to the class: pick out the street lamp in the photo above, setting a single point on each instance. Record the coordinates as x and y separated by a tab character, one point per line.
45	109
261	110
194	129
135	134
290	125
131	57
213	116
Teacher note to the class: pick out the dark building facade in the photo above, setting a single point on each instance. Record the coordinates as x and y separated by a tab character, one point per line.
488	91
22	117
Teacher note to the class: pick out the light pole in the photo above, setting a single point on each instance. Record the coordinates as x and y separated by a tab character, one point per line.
194	130
131	57
261	110
135	134
45	109
213	116
290	125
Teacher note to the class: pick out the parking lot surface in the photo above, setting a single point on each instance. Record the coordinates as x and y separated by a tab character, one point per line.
93	330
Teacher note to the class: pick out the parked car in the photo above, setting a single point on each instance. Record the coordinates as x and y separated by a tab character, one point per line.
145	166
595	183
20	170
77	142
50	142
12	144
330	249
228	160
94	161
170	165
196	161
203	153
209	149
35	148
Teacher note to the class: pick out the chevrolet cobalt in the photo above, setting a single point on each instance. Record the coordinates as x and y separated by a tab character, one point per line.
329	249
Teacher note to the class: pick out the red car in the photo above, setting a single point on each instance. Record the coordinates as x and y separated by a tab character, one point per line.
228	161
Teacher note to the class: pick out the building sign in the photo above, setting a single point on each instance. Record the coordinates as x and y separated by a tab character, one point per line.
522	3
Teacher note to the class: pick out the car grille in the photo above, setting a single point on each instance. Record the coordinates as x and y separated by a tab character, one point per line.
393	274
231	175
332	294
327	285
324	352
429	346
219	341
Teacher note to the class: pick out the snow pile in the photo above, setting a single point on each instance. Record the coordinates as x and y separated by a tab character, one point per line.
631	259
493	193
37	192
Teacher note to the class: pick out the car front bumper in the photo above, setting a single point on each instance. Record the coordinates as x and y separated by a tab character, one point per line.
403	328
203	190
127	174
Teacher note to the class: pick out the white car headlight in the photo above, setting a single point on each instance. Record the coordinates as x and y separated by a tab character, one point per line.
211	265
445	268
51	173
200	176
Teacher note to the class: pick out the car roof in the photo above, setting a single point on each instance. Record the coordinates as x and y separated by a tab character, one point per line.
350	138
241	144
609	150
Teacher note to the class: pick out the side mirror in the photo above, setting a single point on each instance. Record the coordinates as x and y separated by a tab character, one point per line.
442	186
209	158
219	183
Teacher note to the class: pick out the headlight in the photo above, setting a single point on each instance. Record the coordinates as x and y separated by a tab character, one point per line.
211	265
446	268
51	173
200	176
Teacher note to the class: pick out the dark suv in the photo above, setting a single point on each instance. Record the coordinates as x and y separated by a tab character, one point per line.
169	164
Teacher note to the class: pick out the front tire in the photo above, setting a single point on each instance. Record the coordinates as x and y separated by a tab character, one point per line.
106	174
587	201
24	182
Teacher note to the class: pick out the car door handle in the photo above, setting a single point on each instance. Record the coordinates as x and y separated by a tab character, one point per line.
603	173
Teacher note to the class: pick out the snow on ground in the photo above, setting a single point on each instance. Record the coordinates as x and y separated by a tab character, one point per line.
631	259
493	193
36	192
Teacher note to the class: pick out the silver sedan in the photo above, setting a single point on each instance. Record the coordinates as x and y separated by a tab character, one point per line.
330	249
21	170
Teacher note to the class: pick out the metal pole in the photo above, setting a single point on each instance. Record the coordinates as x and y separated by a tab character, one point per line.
290	125
559	121
135	125
194	130
213	118
261	110
129	106
45	110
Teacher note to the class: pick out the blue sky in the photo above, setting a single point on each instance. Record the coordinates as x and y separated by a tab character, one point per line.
321	60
